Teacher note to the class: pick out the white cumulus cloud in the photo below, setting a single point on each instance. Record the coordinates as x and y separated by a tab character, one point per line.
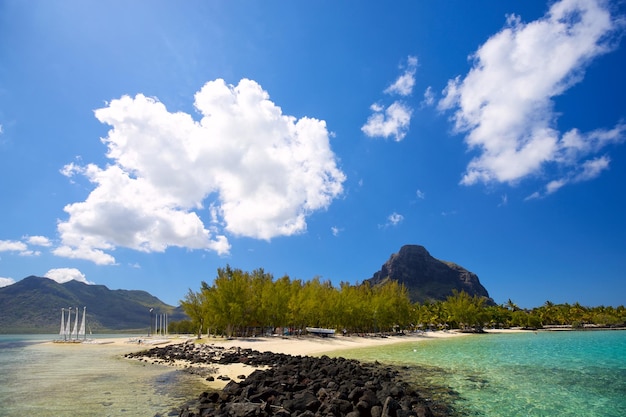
38	241
62	275
5	282
16	246
505	102
12	246
393	120
251	169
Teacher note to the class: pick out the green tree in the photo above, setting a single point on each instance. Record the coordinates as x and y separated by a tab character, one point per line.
194	306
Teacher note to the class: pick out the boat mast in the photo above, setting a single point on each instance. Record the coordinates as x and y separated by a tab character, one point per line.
68	324
75	328
62	331
81	332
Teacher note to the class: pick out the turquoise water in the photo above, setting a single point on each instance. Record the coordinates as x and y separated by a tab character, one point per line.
524	374
46	379
543	374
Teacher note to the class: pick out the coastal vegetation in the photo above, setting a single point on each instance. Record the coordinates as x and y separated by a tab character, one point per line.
241	303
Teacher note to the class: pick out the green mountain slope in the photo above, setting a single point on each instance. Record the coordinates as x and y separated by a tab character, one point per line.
33	305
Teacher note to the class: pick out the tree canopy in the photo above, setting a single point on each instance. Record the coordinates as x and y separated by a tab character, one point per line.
241	303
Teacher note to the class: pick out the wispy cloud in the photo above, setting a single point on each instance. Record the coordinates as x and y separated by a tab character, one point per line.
429	97
586	171
336	230
404	83
505	102
393	219
420	194
393	120
251	169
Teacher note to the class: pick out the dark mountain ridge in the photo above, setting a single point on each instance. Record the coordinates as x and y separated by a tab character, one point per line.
427	278
33	305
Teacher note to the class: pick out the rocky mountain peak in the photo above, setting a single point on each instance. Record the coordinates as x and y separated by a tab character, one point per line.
427	278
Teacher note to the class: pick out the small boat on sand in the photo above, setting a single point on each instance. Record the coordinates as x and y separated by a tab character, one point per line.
318	331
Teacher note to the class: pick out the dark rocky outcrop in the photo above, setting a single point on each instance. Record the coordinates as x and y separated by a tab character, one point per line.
300	386
427	278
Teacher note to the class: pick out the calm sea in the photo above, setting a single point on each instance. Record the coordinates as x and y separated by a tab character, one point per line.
543	374
46	379
527	374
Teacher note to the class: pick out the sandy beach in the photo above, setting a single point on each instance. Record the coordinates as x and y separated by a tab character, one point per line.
291	345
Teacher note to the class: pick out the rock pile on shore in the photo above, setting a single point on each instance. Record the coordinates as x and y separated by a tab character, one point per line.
301	386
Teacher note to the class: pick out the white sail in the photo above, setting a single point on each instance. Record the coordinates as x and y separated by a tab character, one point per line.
75	328
69	321
62	331
81	331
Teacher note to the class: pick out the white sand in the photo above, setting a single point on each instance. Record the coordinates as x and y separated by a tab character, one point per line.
308	345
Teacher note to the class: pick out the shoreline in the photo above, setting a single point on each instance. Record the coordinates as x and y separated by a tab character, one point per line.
252	382
289	345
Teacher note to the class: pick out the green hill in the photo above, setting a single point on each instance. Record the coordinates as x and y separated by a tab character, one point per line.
33	305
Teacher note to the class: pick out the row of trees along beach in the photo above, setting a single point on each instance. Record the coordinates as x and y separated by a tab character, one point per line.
253	303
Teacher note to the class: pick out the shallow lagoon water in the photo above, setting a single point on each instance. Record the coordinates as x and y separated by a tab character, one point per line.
542	374
46	379
524	374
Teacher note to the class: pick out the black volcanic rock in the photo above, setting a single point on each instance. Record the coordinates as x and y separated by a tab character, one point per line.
427	278
303	386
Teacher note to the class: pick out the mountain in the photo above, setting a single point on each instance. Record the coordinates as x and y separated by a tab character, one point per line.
427	278
33	305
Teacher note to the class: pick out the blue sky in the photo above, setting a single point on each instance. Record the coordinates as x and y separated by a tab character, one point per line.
144	144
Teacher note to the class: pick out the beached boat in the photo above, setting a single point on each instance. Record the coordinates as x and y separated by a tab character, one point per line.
318	331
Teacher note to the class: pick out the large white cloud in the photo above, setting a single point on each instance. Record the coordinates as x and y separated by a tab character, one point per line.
258	172
62	275
505	102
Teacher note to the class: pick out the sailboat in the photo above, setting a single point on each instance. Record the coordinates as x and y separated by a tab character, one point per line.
81	330
62	331
75	328
74	335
